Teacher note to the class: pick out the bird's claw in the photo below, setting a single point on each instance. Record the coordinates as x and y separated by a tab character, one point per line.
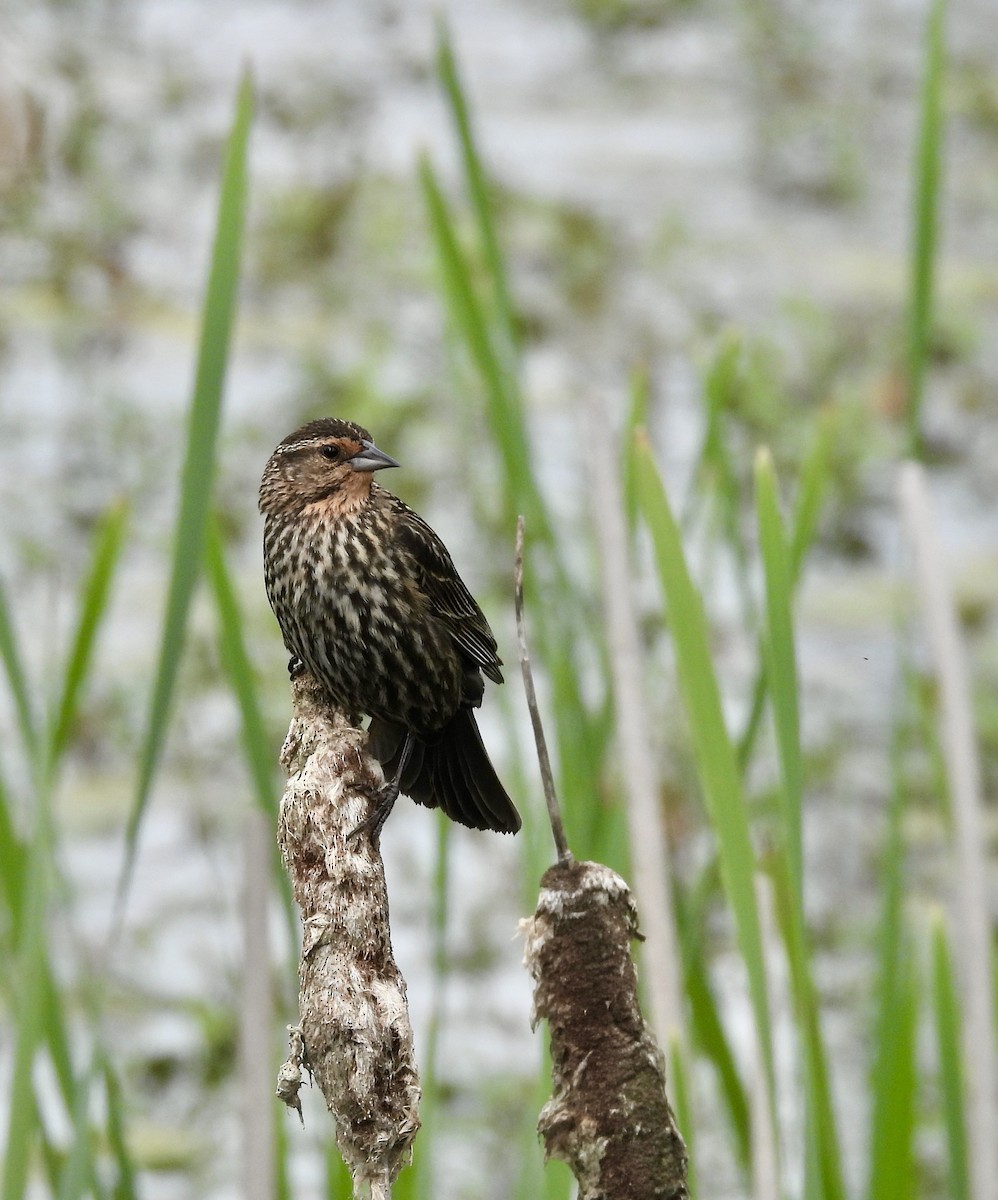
373	824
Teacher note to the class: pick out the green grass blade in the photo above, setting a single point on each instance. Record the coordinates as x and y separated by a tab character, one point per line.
199	467
339	1185
471	321
711	1040
256	743
893	1172
125	1187
781	662
258	748
823	1164
15	877
887	1154
477	184
810	494
824	1154
715	471
679	1091
12	860
56	1034
716	762
707	1028
926	220
22	1126
11	656
282	1161
814	478
947	1022
108	541
637	418
77	1172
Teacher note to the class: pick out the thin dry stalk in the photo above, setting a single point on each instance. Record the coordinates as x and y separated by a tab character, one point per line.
354	1036
540	741
649	853
963	771
255	1061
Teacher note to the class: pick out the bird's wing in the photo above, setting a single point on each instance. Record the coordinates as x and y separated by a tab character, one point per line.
449	599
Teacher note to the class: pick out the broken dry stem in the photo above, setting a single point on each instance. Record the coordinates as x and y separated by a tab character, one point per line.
609	1118
354	1034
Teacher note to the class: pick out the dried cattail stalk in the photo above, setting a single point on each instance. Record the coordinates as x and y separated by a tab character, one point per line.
354	1035
609	1118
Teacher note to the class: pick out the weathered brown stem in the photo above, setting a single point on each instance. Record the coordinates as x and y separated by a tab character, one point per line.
354	1034
609	1118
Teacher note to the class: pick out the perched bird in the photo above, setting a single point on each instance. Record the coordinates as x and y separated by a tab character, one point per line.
371	605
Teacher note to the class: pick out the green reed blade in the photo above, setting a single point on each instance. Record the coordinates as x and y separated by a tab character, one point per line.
926	219
470	319
12	860
477	184
814	478
108	541
781	661
258	747
707	1027
125	1186
199	466
823	1150
716	763
22	1126
11	656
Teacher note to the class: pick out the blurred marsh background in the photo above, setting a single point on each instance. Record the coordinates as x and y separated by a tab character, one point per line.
702	213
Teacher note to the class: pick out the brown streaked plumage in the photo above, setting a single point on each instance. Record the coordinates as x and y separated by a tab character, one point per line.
370	603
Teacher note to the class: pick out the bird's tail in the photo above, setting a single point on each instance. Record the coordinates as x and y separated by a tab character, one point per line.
453	772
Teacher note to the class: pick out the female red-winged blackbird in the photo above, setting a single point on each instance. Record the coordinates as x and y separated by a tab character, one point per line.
371	605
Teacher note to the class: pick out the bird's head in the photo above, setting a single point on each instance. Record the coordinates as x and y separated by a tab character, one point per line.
325	460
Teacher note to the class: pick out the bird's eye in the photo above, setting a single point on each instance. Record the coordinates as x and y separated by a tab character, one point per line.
330	452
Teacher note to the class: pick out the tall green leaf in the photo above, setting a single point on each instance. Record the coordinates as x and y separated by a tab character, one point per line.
258	748
679	1088
811	488
707	1028
781	662
810	493
478	188
256	744
199	466
12	858
11	655
823	1152
125	1185
30	966
471	319
893	1172
715	756
926	220
108	541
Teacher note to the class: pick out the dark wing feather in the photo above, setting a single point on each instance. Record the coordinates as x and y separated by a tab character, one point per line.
449	599
453	773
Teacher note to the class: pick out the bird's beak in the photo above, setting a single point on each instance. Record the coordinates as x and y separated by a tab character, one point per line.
372	459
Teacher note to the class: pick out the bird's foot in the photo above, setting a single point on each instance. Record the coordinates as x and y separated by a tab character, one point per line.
295	667
386	797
